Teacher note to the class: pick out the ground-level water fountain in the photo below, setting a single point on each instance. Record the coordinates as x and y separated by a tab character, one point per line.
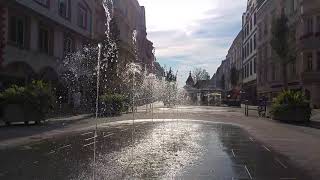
162	149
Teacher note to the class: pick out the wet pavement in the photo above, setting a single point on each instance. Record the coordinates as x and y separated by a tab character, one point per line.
150	149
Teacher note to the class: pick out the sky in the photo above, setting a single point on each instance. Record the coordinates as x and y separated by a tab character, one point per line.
192	33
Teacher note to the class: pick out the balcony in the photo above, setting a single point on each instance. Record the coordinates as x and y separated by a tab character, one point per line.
311	77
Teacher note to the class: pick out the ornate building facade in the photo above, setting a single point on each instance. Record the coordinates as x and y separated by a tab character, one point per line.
249	29
131	19
39	34
302	72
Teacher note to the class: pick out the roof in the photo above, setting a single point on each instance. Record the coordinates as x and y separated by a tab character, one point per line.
202	84
190	80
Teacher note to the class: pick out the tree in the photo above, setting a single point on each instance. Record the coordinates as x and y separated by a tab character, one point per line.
200	74
280	43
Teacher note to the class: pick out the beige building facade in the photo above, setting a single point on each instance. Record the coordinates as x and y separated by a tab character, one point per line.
304	71
249	63
131	18
308	31
39	33
235	61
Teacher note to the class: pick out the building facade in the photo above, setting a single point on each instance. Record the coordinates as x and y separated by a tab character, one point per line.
308	32
39	34
131	19
268	68
249	46
235	59
202	92
2	31
303	70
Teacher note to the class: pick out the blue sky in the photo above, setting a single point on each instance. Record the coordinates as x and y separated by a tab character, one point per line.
192	33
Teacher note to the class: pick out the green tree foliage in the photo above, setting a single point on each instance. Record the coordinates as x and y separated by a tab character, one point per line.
200	74
282	43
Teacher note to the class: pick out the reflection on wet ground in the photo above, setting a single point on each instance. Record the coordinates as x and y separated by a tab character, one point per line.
161	150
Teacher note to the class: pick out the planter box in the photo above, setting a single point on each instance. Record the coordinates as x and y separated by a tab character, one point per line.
294	114
17	113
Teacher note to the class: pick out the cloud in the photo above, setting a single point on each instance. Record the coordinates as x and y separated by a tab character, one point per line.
193	33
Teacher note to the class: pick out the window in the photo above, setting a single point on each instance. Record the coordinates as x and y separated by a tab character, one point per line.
318	24
251	45
250	68
295	5
266	26
266	70
45	3
82	17
44	40
309	62
254	42
255	18
247	49
309	26
243	51
254	66
242	72
293	69
65	8
68	45
318	61
266	52
247	69
273	70
17	30
250	24
259	31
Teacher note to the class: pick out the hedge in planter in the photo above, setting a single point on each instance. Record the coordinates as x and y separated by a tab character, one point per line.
113	104
31	103
291	106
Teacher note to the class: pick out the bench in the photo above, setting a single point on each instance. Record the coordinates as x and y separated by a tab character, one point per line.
261	109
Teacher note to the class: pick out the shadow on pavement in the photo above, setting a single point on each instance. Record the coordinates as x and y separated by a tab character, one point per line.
17	130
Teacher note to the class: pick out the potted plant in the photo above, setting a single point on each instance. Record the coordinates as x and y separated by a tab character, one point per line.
28	103
291	106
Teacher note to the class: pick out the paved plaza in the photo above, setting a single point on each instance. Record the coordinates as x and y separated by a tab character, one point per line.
189	142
